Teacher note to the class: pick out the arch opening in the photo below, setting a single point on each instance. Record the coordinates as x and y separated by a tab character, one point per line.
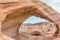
32	20
12	22
13	29
36	26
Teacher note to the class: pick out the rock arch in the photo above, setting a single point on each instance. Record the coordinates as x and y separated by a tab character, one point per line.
12	15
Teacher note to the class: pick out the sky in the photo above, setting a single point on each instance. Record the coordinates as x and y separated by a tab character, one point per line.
34	19
53	3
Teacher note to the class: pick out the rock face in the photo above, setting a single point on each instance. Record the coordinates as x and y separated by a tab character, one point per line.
38	29
8	1
16	1
12	15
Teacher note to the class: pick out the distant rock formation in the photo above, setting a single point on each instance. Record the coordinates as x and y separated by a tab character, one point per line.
38	29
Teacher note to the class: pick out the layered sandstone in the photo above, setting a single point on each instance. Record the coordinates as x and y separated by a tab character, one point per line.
12	15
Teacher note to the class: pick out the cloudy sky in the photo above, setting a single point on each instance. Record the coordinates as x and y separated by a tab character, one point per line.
55	4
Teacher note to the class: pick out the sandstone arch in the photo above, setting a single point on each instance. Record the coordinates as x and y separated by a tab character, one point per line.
12	15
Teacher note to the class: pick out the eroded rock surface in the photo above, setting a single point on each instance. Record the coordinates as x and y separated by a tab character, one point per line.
12	15
44	29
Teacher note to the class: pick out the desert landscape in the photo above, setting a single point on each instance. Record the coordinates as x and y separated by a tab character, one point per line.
14	12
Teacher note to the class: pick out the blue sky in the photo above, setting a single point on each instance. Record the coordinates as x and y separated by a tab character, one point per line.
55	4
34	19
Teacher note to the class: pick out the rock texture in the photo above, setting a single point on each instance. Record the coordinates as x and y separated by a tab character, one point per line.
17	1
38	29
12	15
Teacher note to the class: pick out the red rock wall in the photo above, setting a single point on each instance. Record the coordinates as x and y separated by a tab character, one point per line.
12	15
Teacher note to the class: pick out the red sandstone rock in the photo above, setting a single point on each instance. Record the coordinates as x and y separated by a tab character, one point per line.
12	15
45	29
